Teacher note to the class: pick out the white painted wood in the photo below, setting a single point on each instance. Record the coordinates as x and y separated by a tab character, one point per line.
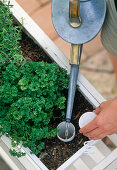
108	142
12	158
103	148
26	161
28	165
112	166
96	155
71	168
79	164
88	86
88	161
6	158
113	138
88	95
35	159
108	160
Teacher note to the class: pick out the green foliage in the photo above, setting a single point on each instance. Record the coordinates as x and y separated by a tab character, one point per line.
9	36
29	92
28	98
15	153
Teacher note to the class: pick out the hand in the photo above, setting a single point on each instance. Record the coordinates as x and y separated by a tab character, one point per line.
105	123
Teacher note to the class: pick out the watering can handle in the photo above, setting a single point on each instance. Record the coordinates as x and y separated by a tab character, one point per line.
74	13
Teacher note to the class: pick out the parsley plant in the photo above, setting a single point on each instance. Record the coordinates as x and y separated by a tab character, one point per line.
29	91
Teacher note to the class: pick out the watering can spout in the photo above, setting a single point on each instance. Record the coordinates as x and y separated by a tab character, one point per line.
75	62
71	92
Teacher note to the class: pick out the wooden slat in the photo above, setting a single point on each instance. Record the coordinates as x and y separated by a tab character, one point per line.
112	166
108	160
25	161
72	167
88	161
96	155
108	142
103	148
113	138
12	162
7	159
79	164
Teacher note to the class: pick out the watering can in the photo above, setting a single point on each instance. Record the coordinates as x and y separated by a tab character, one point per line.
77	22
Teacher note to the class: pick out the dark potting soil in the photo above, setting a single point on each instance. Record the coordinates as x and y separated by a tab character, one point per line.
31	51
57	152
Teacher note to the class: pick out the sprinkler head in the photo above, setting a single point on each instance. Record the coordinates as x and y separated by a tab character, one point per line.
66	131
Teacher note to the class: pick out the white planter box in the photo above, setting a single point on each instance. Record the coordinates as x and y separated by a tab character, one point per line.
31	162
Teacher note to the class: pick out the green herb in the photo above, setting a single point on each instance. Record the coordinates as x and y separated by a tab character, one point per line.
29	91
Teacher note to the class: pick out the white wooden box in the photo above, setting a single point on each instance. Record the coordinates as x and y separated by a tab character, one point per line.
79	159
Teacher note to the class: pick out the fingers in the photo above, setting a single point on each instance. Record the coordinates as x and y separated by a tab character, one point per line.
102	106
101	136
104	124
89	127
112	131
99	133
94	133
97	110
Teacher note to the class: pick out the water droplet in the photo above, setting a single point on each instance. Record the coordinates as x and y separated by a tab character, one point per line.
67	130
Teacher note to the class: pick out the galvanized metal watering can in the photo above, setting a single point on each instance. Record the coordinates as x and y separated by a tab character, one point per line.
77	22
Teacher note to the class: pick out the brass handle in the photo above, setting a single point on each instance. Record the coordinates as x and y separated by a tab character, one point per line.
74	13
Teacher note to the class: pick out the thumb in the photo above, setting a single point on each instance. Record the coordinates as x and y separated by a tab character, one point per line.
97	110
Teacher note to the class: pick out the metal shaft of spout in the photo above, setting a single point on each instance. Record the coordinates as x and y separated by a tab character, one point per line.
74	13
75	61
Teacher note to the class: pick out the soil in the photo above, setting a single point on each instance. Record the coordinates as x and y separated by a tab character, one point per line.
57	152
